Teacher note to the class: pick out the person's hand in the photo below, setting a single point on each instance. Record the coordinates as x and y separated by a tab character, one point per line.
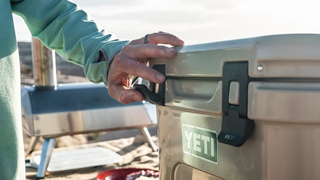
131	61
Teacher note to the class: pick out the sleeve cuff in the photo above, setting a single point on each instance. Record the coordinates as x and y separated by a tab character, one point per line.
98	71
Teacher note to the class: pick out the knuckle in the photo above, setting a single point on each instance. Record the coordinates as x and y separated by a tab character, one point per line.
150	72
118	60
151	37
162	48
144	49
136	66
126	48
164	33
134	42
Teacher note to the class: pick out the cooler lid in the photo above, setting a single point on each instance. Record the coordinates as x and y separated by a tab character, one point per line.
275	56
195	75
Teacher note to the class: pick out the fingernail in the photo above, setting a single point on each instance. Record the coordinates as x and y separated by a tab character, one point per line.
136	98
181	42
169	50
160	77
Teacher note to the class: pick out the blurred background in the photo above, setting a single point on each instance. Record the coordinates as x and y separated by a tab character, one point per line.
199	21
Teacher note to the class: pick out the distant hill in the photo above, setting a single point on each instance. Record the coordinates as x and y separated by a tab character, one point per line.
63	65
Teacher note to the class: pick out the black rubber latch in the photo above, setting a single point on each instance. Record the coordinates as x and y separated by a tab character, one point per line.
236	127
150	95
235	130
147	94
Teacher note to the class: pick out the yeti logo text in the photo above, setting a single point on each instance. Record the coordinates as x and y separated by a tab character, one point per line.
199	142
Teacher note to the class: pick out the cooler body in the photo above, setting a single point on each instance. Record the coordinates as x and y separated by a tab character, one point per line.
274	150
240	110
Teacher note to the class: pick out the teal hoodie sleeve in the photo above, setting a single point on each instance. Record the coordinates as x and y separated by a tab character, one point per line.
62	26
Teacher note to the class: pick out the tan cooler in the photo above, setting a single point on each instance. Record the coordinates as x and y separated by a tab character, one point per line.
245	109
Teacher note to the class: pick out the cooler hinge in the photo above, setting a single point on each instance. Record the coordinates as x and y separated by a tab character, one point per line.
236	127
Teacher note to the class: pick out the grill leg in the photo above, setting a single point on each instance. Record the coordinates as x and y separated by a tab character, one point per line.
145	132
33	142
47	148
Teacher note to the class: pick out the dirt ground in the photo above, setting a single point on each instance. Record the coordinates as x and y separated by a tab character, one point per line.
134	151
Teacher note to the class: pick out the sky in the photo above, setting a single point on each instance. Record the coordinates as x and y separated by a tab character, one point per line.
198	21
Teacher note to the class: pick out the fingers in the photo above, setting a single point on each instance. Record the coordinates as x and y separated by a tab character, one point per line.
124	94
132	60
164	38
128	61
139	69
144	51
160	38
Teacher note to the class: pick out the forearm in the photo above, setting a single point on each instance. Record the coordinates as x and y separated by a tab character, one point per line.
62	26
